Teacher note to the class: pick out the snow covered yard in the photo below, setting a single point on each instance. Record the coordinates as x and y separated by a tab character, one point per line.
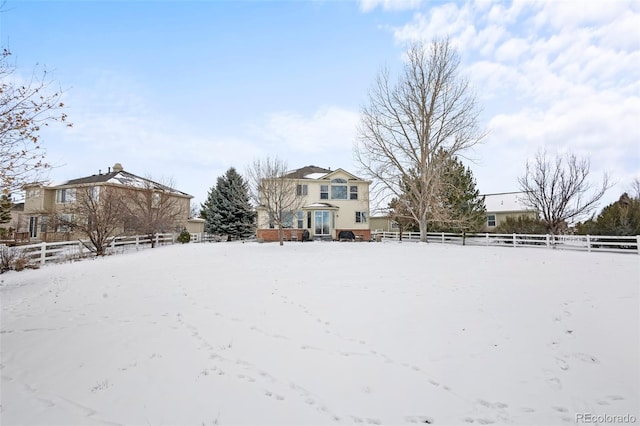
322	333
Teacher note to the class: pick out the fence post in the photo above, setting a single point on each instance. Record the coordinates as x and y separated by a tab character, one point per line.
486	238
80	254
588	243
43	253
137	242
514	240
442	238
638	243
548	241
157	240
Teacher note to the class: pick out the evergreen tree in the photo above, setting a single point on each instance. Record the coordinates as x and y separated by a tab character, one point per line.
5	209
227	210
463	207
619	218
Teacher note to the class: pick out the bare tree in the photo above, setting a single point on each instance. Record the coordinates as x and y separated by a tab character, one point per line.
431	109
274	193
25	107
558	189
97	212
155	208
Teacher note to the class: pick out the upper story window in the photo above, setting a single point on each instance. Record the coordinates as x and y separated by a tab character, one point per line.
155	200
353	192
491	220
33	193
324	192
67	195
361	217
301	190
338	189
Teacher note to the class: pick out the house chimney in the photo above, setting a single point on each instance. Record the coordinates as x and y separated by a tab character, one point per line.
117	167
109	169
99	172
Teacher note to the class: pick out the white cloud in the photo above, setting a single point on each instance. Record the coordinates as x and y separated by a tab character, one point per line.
327	130
551	74
390	5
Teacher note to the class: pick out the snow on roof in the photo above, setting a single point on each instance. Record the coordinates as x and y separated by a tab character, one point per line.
505	202
314	175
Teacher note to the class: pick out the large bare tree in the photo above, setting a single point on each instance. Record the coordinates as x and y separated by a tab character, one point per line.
405	126
25	107
559	190
97	212
273	192
155	208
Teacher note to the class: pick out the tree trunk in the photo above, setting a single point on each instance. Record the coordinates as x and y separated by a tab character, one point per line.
281	235
422	223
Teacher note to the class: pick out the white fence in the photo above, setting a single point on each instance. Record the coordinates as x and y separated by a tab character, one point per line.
42	253
601	243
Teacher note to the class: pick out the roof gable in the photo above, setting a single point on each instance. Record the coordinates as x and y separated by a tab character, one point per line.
122	178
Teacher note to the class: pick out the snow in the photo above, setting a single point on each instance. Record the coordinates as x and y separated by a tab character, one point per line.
322	333
505	202
315	175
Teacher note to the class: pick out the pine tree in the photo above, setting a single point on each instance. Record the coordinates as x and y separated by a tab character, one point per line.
227	210
619	218
5	209
463	207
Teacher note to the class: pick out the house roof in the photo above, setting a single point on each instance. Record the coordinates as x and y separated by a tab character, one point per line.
314	172
505	202
121	177
308	172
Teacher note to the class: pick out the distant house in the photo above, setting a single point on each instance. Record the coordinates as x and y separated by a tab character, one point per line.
502	205
43	203
332	201
383	223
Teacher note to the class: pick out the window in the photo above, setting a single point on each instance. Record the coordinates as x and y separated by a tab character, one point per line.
287	219
491	220
309	220
33	193
361	217
338	189
65	195
394	225
324	192
300	219
94	193
155	200
65	221
44	223
353	192
301	190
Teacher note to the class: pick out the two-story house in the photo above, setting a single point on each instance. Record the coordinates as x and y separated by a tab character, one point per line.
45	205
503	205
330	202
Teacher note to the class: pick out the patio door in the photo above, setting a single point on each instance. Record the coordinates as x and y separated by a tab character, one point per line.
33	226
322	224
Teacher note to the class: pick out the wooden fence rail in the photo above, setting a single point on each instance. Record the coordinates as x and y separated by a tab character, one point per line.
41	253
589	243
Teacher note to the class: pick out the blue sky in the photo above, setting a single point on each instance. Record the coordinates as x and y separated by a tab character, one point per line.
184	90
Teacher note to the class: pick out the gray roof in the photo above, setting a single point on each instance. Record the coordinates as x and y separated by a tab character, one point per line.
305	171
123	178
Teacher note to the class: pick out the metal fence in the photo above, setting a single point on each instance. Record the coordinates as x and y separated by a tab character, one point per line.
589	243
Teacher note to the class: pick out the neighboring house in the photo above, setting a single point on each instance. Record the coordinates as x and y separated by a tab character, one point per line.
383	223
44	204
503	205
332	201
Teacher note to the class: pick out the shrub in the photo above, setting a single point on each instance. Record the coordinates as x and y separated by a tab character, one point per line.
13	258
184	237
522	225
